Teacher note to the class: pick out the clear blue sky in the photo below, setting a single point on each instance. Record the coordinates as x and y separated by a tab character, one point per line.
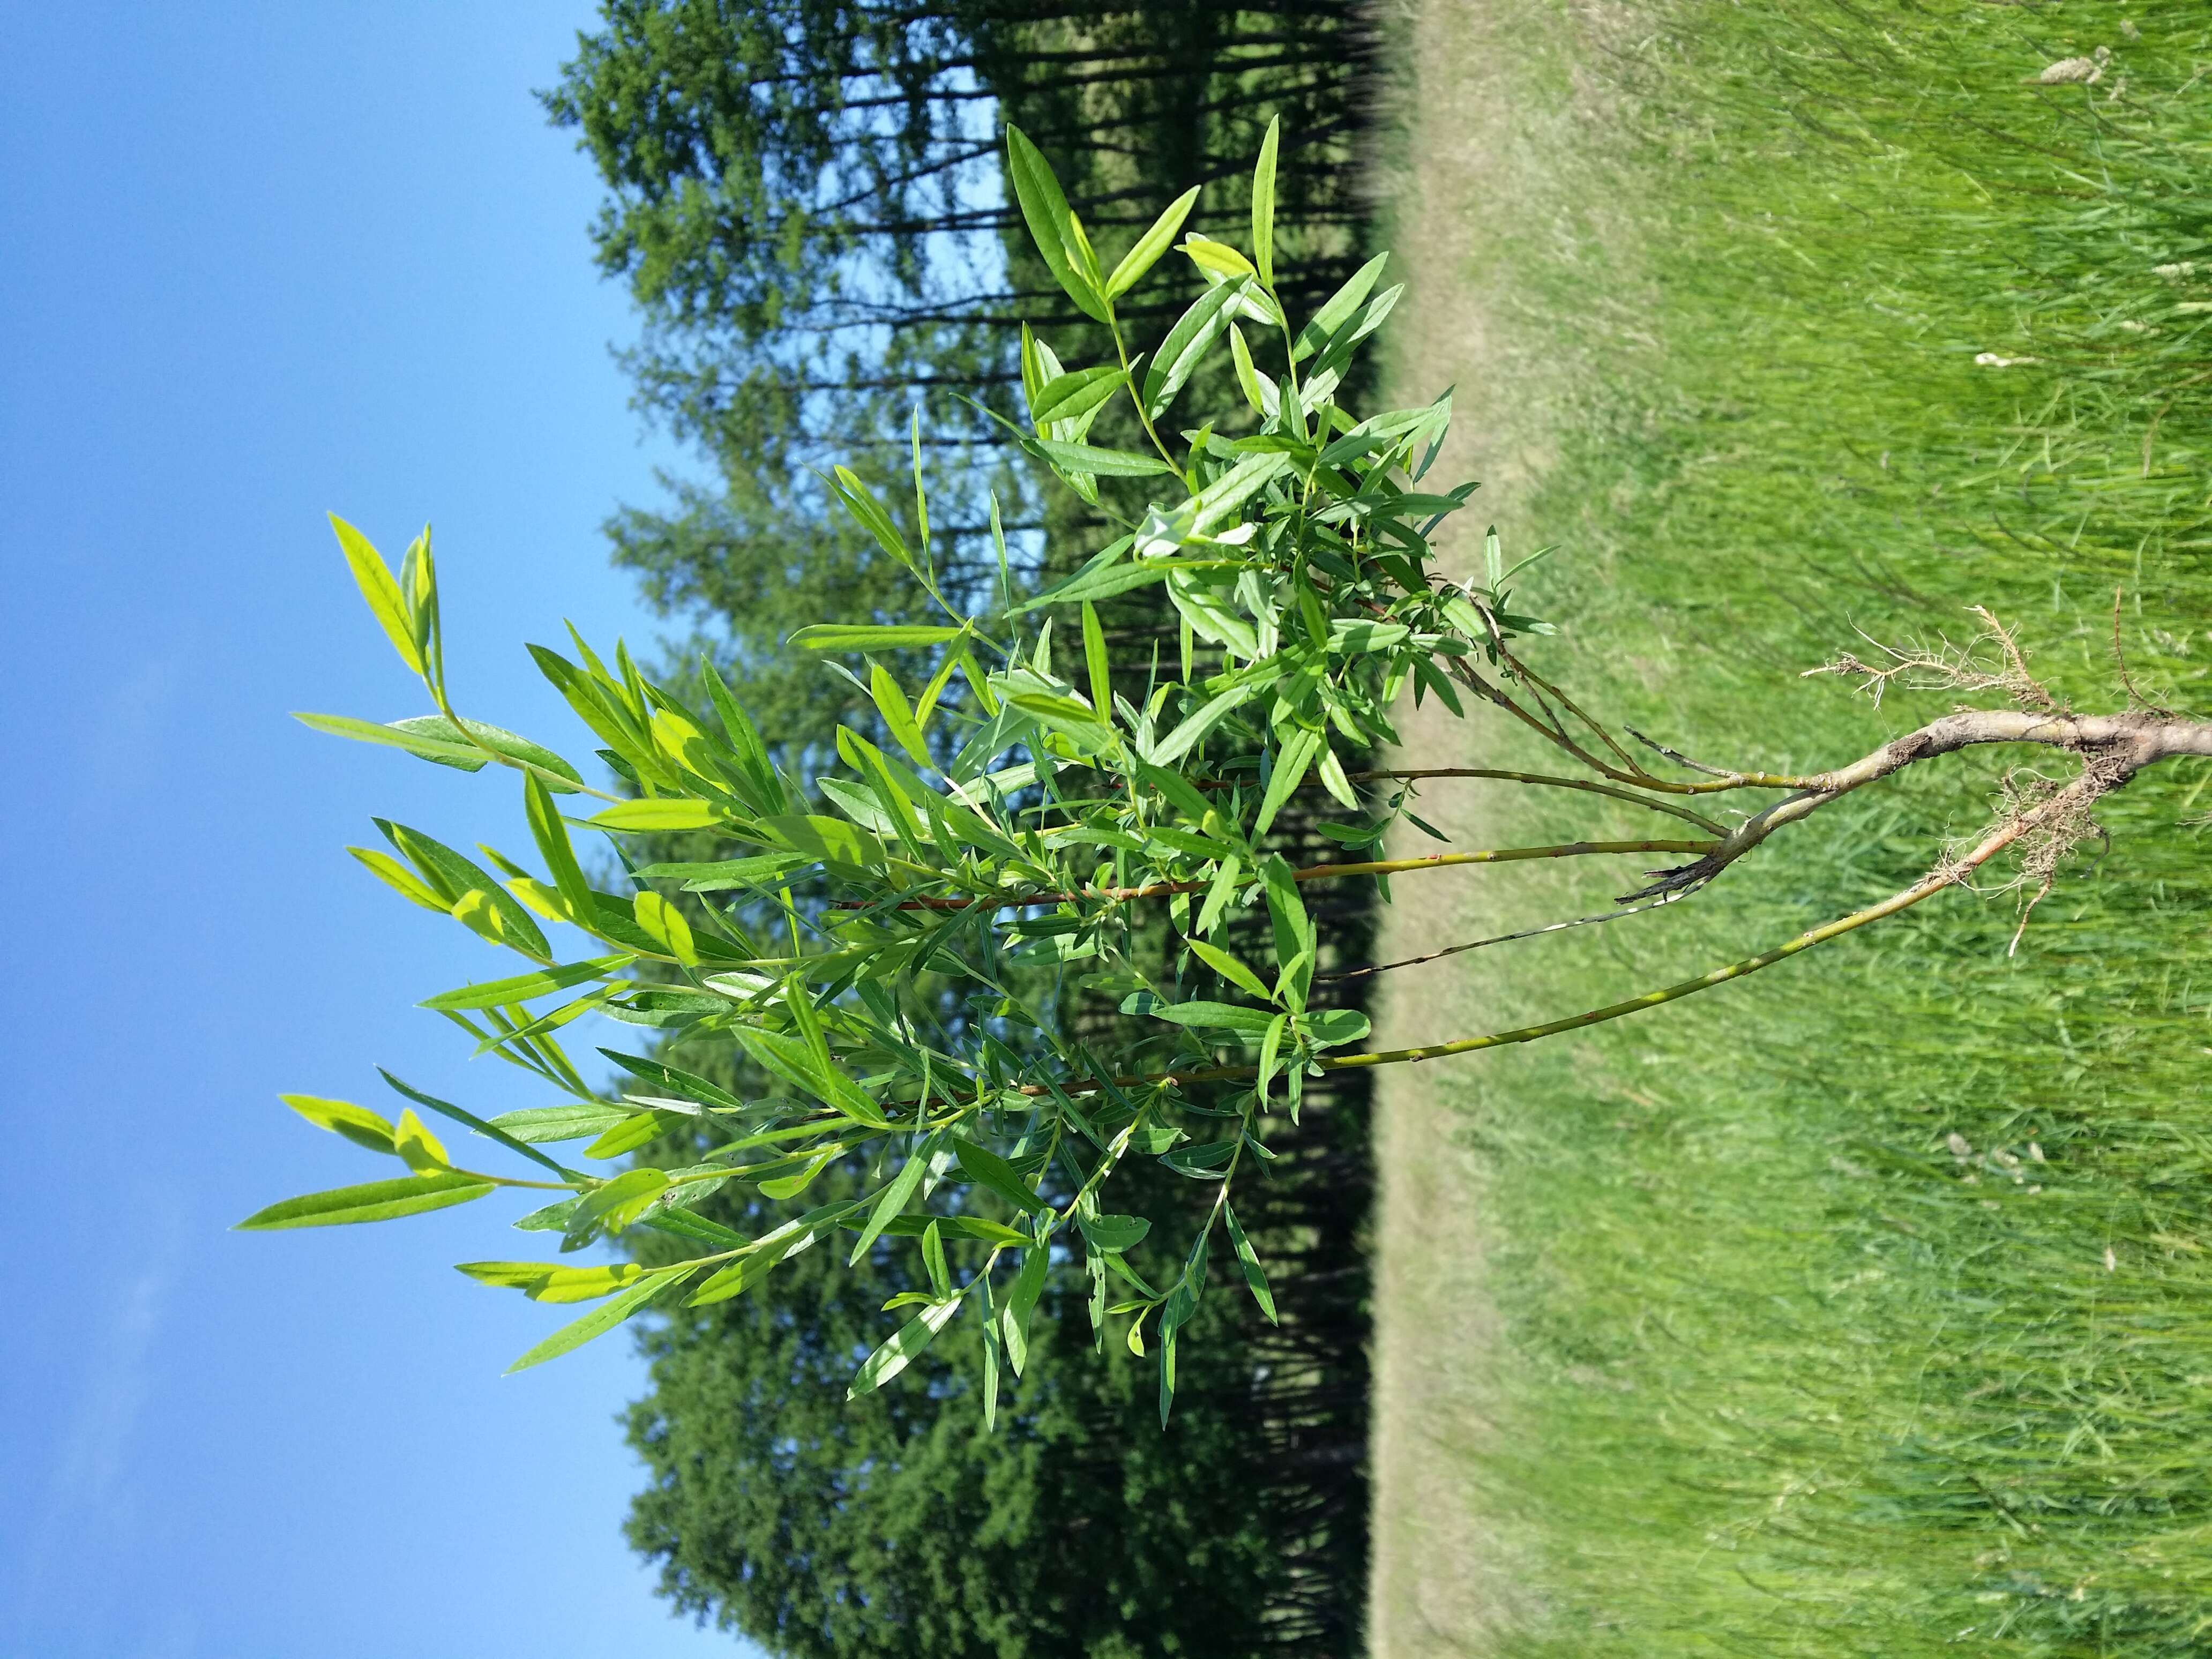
258	262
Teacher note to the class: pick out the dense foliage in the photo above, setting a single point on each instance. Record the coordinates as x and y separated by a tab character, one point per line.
1133	106
808	207
888	1016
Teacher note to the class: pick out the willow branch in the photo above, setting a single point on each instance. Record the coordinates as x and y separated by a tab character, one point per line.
2071	800
1312	872
1545	780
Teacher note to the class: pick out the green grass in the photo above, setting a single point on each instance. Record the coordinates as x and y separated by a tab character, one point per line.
1787	1374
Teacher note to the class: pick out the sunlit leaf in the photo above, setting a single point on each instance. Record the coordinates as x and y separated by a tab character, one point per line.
374	1200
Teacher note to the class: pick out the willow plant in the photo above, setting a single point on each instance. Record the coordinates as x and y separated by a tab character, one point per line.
1025	814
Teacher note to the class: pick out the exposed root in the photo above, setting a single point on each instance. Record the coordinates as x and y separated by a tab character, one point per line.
1992	661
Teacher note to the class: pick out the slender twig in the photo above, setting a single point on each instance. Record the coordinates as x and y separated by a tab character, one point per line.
1501	938
2120	662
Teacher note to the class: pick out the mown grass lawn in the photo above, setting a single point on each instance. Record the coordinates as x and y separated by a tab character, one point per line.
1864	1309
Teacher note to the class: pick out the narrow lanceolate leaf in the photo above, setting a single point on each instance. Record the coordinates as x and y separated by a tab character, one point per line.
446	751
794	1061
356	1123
1187	736
1045	210
897	1354
725	873
469	1120
1082	458
666	925
896	1197
479	737
1114	1232
1229	968
992	1349
374	1200
613	1206
1338	308
1332	1028
1021	1303
1186	346
1258	390
1096	661
571	1122
1263	204
1270	1046
601	1319
553	846
831	841
1249	1261
1218	258
1074	395
842	637
1152	244
396	876
868	513
1216	1017
634	1132
501	992
677	1080
550	1281
667	814
986	1169
381	589
898	716
1291	761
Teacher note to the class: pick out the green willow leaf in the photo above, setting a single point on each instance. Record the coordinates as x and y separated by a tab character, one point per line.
901	1349
1102	463
1230	968
1332	1028
445	751
1185	347
438	729
1114	1232
1051	224
850	636
1255	1278
1153	243
1263	204
550	1281
374	1200
1021	1303
601	1319
1291	761
1070	395
662	816
896	1197
986	1169
724	874
503	992
551	1123
381	590
356	1123
1337	308
1216	1017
